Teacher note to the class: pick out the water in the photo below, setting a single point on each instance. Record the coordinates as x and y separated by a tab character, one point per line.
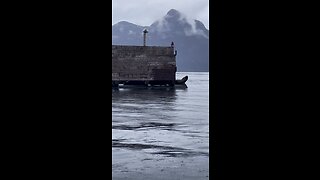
162	133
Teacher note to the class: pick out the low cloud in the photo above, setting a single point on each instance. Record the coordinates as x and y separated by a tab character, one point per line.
145	12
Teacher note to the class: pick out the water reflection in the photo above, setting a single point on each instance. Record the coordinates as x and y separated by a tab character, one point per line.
143	95
160	150
142	109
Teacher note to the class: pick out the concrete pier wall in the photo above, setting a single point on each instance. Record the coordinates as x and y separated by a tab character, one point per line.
143	63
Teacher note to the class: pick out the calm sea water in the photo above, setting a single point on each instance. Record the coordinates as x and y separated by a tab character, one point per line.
162	133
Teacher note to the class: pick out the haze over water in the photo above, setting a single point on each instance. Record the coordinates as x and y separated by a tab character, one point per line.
162	133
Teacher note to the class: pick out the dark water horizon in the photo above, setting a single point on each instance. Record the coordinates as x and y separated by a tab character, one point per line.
162	132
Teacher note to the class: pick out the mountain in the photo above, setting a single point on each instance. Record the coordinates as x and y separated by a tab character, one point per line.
191	39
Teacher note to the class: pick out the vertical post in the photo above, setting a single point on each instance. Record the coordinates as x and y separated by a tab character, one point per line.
144	36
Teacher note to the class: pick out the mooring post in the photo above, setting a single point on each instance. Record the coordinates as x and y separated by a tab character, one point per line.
144	36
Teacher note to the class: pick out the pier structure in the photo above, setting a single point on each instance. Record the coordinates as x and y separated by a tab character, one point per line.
143	65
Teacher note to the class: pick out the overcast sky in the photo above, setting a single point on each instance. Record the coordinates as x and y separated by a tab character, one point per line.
145	12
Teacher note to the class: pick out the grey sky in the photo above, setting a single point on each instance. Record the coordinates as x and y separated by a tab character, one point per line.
145	12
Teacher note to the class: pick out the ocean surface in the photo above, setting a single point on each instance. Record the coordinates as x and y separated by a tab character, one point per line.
162	133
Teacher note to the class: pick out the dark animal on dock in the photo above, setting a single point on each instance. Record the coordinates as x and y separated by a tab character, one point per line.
182	81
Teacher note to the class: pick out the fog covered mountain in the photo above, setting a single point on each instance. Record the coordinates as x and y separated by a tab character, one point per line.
191	38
